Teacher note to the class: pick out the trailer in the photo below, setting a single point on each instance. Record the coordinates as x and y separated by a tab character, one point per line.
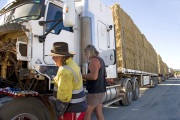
28	29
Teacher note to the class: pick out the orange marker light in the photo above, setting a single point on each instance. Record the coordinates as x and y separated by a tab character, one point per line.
67	9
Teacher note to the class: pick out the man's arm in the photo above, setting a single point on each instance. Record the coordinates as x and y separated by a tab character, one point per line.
94	67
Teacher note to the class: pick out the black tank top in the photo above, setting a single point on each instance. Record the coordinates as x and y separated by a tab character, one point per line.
98	85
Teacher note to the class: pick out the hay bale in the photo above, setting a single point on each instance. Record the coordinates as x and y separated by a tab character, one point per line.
133	50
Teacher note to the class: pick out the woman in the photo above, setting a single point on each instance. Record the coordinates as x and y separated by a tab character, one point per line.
70	102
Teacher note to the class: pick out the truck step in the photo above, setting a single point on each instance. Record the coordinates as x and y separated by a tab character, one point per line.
111	102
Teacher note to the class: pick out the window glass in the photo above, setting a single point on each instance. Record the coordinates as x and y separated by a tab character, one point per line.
28	11
54	13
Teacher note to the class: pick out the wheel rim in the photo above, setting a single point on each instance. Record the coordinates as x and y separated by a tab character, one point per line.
25	116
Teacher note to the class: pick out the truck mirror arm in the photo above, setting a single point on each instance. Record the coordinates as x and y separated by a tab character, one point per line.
43	37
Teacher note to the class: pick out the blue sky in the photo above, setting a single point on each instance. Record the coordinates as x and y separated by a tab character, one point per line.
3	2
159	20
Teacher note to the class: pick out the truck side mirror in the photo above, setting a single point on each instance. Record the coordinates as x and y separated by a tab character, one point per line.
69	13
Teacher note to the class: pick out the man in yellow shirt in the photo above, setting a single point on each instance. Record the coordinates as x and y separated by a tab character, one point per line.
70	102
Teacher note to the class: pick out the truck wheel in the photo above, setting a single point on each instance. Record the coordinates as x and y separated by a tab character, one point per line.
29	108
159	80
136	90
156	81
127	100
153	83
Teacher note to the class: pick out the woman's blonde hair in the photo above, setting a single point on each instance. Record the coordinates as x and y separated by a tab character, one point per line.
91	50
64	58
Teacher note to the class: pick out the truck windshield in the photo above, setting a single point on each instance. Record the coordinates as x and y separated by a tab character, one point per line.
20	11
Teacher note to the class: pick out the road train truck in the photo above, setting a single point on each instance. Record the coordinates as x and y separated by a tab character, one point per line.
28	29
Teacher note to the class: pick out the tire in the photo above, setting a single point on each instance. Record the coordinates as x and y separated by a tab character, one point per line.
152	83
136	90
29	108
127	100
159	80
156	81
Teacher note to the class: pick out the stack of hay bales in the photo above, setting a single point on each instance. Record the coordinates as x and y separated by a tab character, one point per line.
163	70
153	60
137	49
145	53
124	38
160	65
132	48
167	69
149	56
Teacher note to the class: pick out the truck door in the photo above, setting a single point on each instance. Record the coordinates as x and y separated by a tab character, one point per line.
106	53
102	36
60	33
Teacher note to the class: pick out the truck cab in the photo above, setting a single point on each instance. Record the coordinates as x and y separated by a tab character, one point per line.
30	27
